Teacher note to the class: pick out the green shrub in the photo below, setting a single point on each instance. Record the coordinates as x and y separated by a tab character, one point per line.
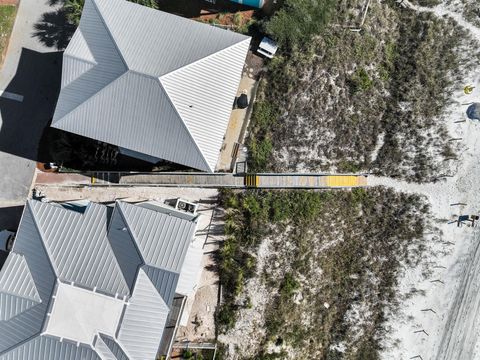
289	285
298	20
237	19
360	81
260	154
187	354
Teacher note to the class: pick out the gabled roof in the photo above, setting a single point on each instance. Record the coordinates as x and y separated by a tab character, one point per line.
150	82
147	307
28	321
107	282
17	289
44	347
78	246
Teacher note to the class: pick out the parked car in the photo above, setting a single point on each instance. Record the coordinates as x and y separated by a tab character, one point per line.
7	238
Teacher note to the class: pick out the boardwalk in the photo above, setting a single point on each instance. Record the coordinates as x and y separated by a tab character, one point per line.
202	180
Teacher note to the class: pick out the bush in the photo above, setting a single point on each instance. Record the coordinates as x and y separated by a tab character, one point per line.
360	81
187	354
341	248
298	20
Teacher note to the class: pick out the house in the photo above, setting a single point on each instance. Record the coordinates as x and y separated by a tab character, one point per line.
96	282
159	86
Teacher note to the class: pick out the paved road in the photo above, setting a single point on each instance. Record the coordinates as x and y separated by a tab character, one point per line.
29	82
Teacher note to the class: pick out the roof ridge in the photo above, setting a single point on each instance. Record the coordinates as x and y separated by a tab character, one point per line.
80	59
109	33
36	296
203	58
169	99
62	119
67	53
211	167
42	235
129	228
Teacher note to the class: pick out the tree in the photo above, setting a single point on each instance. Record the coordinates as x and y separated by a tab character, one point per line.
73	9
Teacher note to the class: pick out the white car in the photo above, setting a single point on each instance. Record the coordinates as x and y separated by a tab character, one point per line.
6	240
267	47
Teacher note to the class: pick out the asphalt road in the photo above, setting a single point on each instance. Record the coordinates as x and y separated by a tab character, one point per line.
29	81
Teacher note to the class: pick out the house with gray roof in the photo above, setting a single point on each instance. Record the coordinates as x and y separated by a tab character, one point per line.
96	283
157	85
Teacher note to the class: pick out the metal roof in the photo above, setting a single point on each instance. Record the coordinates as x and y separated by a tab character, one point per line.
45	347
136	255
28	323
189	275
79	248
162	239
150	82
17	288
147	308
109	348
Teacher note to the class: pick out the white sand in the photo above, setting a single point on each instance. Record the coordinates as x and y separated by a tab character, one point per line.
454	327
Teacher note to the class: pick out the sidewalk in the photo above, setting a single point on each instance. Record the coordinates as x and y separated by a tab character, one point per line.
22	118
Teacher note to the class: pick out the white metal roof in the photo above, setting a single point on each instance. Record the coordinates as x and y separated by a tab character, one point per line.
150	82
148	308
87	312
72	265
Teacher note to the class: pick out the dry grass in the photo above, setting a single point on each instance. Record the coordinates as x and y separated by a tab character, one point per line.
342	249
371	101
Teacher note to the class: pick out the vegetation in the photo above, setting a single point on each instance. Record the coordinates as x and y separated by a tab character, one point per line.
362	101
471	11
73	8
7	18
429	3
329	254
297	21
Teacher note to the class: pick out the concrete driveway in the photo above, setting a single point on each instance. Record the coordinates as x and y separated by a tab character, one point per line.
29	82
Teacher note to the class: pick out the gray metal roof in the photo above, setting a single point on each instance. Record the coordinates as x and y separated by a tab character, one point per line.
109	348
128	256
17	288
45	347
29	245
150	82
162	239
79	248
124	247
147	308
164	281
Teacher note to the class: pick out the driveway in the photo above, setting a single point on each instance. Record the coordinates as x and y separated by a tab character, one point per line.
29	82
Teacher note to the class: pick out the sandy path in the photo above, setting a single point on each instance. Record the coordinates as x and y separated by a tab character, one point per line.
461	335
453	331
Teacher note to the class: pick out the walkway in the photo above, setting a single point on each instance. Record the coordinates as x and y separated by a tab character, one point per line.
202	180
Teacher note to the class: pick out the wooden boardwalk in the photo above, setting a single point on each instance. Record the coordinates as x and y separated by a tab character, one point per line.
261	181
203	180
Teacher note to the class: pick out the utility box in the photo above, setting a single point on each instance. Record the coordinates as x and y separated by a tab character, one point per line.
267	47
